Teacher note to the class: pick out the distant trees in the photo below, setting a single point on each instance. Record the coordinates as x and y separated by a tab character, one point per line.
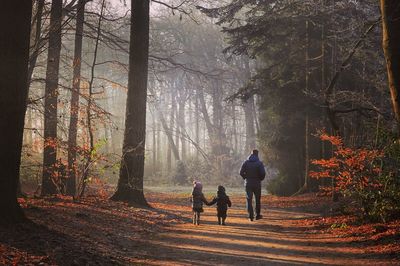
130	183
191	89
15	22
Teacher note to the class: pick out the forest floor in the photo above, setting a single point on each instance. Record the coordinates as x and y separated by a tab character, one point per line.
95	231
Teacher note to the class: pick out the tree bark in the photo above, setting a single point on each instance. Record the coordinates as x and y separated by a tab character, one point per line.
390	10
15	25
74	112
130	183
50	100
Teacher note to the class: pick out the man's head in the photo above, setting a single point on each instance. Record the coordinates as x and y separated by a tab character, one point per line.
255	152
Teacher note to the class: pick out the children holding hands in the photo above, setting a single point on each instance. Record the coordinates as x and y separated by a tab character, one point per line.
221	199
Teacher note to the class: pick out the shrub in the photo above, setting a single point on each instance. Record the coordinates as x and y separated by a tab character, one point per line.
364	175
180	176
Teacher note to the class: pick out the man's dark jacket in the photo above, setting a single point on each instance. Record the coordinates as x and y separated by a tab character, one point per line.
252	171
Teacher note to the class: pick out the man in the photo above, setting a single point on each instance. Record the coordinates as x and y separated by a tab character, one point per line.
253	172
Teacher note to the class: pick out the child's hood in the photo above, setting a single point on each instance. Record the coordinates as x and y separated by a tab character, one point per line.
221	193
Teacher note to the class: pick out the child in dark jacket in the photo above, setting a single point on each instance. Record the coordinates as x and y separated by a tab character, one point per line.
197	200
223	202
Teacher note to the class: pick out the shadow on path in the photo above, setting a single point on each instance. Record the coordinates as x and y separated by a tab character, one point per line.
274	240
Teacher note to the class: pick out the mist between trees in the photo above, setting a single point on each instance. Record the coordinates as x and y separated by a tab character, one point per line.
223	78
193	130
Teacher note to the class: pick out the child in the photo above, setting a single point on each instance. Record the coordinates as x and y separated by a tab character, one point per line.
197	200
223	202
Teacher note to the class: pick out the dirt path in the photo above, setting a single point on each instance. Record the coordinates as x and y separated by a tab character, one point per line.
95	231
274	240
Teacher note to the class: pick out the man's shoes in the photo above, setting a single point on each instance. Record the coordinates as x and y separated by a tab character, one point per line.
258	217
251	219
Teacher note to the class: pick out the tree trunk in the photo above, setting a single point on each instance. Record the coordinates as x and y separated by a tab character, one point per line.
50	100
28	138
38	41
74	112
190	113
177	127
168	131
15	25
170	139
211	130
206	116
197	123
159	159
391	46
234	129
130	183
249	119
248	112
307	153
256	116
219	142
304	187
154	146
182	125
307	125
90	100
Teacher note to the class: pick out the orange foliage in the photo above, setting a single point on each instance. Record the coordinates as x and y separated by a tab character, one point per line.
352	169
